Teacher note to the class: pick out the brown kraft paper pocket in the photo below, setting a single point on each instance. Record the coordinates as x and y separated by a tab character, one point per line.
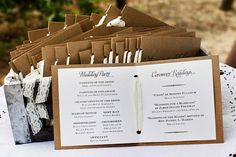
55	26
98	48
85	56
163	47
61	55
120	49
37	34
48	55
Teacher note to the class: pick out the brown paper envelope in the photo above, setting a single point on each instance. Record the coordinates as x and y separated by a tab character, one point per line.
116	29
138	42
24	46
116	39
95	17
169	31
163	47
36	58
22	64
79	18
113	34
183	34
61	36
97	31
75	47
73	50
85	56
128	30
48	55
112	13
132	35
36	34
61	54
86	24
154	29
69	19
98	38
132	45
107	49
135	18
55	26
162	28
56	45
120	49
13	53
98	50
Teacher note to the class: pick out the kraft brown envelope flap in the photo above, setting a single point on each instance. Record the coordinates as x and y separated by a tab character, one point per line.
61	54
132	46
69	19
36	58
138	42
114	46
25	46
79	18
13	53
162	28
164	47
98	48
50	40
126	44
153	29
36	34
22	64
102	37
135	18
170	31
55	26
85	56
114	40
183	34
86	24
97	31
61	36
120	49
95	17
73	50
112	13
116	29
128	30
111	33
106	49
48	55
75	47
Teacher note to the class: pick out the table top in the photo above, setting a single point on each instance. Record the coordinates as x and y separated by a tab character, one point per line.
228	83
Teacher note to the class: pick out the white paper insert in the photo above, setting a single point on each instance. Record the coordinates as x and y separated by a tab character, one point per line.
97	105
